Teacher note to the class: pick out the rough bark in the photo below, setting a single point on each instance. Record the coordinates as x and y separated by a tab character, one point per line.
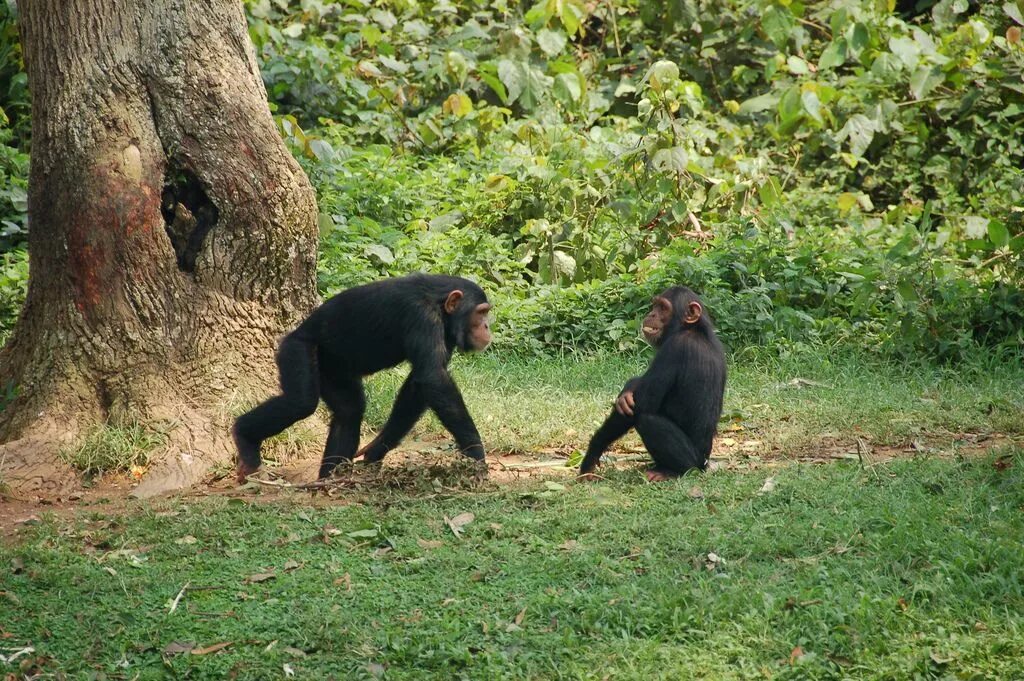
172	236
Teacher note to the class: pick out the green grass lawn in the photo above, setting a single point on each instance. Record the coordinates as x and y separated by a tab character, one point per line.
523	406
906	569
909	569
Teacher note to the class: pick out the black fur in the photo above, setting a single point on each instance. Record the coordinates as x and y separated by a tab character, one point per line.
678	400
357	333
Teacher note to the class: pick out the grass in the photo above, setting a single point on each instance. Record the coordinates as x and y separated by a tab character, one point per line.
907	569
526	405
114	449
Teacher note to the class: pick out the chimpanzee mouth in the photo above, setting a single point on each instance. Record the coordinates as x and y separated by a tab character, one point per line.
649	330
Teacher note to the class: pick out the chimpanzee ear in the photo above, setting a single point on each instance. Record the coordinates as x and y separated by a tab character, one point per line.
693	312
452	301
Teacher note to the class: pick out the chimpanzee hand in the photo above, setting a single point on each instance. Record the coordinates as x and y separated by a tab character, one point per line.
587	469
243	471
625	403
372	453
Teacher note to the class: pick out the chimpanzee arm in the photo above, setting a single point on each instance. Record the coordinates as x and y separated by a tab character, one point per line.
407	410
437	387
632	385
614	427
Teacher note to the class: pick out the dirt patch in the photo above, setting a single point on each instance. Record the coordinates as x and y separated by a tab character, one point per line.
425	468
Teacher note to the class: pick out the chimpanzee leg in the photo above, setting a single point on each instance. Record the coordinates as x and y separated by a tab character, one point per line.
409	407
672	450
614	427
347	402
300	393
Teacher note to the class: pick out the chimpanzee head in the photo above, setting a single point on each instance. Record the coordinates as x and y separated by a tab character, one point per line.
676	309
468	318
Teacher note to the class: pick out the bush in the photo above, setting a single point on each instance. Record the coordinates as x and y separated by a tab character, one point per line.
827	173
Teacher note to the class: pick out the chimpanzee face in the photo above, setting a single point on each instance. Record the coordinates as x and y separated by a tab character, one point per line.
657	320
472	323
479	331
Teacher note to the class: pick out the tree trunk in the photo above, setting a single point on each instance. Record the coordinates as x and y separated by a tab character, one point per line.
172	235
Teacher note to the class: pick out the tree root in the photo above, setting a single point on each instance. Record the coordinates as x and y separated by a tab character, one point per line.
32	467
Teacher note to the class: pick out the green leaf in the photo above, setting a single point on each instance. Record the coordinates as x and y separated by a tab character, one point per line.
662	75
907	290
797	66
294	30
674	159
385	19
563	264
567	88
371	34
924	80
325	224
540	13
812	105
1013	10
834	55
492	81
457	65
551	42
321	149
760	103
570	13
975	226
860	131
458	104
364	534
393	64
442	223
777	23
789	106
998	234
770	192
384	254
886	67
846	202
906	49
859	38
534	88
513	76
368	69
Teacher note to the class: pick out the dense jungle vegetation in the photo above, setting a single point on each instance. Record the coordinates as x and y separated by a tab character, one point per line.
844	172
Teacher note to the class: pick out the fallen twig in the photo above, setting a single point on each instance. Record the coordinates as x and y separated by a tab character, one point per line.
177	599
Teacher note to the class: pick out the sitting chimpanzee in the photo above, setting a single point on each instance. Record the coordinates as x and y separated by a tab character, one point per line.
675	405
421	318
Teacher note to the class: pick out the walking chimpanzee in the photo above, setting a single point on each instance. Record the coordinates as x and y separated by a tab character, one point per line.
421	318
675	405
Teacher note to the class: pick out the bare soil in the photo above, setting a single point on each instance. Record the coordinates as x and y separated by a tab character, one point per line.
425	468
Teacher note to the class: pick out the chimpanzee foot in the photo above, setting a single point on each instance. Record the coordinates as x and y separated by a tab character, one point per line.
248	455
243	471
660	474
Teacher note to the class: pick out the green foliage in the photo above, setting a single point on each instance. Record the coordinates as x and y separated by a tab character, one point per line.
821	173
14	132
838	572
826	172
13	288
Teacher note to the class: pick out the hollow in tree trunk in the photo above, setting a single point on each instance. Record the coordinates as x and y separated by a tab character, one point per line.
172	235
